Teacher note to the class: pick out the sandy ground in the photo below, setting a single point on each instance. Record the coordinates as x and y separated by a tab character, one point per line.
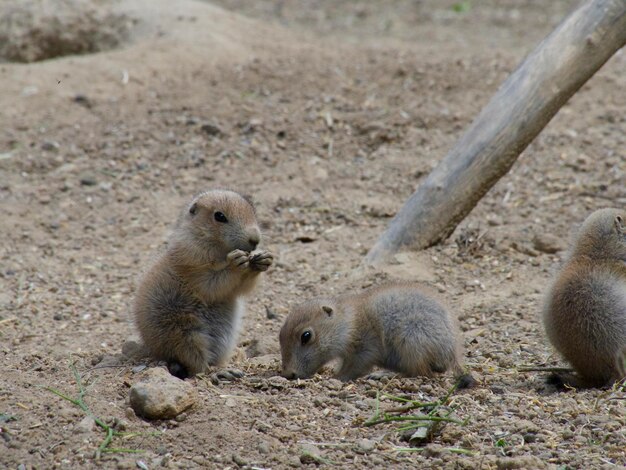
329	113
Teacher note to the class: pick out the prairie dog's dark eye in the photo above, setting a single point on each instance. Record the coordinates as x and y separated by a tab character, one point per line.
306	337
220	217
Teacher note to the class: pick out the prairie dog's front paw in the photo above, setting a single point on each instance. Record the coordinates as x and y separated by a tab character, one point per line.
238	259
261	261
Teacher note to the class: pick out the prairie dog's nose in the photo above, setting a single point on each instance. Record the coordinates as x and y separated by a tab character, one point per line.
289	375
254	238
254	241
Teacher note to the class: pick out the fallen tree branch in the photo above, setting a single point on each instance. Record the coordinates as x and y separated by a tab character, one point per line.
520	109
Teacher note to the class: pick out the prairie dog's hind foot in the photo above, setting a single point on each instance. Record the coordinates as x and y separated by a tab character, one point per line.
465	380
226	375
564	381
382	375
177	370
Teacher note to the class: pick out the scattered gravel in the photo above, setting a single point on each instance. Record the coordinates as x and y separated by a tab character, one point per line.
330	130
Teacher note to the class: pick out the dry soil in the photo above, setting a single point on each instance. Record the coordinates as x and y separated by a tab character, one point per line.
329	113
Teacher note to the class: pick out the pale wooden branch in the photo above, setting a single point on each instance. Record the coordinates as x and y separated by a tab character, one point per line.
520	109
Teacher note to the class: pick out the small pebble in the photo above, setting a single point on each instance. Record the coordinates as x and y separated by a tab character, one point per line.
129	413
88	179
50	146
295	462
270	314
231	402
211	129
264	447
309	453
83	100
334	384
141	464
132	348
366	445
548	243
87	424
278	381
239	460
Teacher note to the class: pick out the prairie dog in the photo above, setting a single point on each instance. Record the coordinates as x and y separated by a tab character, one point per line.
394	326
585	309
189	305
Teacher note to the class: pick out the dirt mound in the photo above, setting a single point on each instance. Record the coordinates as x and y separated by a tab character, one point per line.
34	30
164	38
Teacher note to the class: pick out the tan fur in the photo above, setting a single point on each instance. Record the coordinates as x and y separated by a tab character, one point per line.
189	305
585	309
395	326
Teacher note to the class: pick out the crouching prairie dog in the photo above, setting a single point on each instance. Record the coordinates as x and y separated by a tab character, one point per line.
395	326
190	304
585	309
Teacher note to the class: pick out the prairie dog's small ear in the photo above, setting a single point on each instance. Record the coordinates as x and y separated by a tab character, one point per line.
619	224
193	208
327	310
248	198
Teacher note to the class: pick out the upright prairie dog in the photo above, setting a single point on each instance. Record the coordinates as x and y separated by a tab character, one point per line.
189	305
585	309
394	326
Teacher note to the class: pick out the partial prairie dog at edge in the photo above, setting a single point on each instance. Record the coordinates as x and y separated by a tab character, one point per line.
395	326
189	305
585	309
